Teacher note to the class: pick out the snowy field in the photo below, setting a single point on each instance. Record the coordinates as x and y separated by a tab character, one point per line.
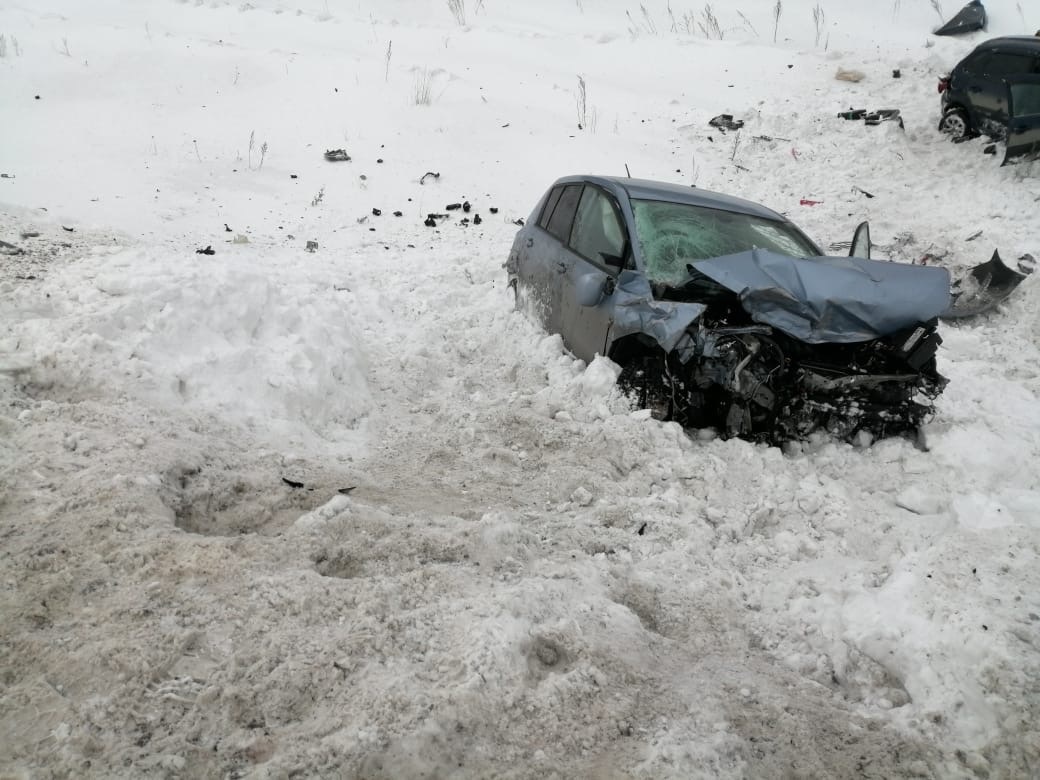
489	565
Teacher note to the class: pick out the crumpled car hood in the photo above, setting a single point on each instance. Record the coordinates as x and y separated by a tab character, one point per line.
831	299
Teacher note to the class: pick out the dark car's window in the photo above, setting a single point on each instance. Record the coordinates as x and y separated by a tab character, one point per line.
598	232
1025	99
563	215
671	235
550	204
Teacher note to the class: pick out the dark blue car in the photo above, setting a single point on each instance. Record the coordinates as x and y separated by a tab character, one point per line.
995	91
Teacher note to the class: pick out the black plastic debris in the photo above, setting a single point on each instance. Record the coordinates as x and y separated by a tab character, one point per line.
453	207
422	179
896	74
519	221
883	115
467	207
726	122
227	228
207	251
430	221
398	213
872	117
312	246
493	209
853	113
347	490
862	191
337	155
292	483
7	176
984	287
377	213
970	18
67	229
476	219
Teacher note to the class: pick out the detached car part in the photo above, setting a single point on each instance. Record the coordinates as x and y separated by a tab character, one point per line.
970	18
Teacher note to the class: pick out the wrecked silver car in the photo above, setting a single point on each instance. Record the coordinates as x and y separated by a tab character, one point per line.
722	313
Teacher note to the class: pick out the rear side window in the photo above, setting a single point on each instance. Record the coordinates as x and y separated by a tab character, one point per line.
1001	63
550	204
563	214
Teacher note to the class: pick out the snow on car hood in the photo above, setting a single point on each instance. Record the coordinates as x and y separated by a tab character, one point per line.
831	299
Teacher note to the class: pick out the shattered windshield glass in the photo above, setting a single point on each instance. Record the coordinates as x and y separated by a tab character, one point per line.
674	234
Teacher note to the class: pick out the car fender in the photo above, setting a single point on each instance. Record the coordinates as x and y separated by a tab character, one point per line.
636	311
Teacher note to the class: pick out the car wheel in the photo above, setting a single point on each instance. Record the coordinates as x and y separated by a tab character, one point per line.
643	379
955	124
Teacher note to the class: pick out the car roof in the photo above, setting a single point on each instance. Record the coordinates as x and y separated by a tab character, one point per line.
1014	41
645	189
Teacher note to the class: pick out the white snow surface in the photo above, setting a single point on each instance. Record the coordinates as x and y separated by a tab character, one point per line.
529	578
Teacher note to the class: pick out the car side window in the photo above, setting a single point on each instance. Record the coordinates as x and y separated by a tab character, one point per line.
599	233
976	63
550	204
563	215
1025	99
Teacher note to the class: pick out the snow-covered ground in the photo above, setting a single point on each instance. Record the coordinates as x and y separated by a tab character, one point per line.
494	567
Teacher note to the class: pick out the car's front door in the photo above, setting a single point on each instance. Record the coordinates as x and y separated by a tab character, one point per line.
1023	132
597	250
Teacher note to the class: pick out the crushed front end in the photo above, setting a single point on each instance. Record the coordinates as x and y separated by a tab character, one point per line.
757	383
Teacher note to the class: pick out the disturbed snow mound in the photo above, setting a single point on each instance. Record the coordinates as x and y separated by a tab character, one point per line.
529	579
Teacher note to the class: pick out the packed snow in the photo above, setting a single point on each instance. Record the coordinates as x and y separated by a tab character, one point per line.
321	503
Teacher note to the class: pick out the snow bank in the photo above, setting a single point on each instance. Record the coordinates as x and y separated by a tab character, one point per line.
345	511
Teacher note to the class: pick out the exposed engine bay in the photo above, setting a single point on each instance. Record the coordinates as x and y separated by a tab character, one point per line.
756	382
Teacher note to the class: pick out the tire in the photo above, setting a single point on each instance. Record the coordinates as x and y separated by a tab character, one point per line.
642	378
955	124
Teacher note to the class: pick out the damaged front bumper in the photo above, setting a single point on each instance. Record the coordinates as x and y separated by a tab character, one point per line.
756	383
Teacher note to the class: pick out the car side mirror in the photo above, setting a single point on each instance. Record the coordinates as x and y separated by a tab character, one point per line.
861	242
592	288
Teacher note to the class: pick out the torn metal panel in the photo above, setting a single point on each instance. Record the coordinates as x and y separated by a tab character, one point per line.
636	311
837	300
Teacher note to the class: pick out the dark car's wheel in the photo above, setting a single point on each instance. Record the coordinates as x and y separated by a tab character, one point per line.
955	124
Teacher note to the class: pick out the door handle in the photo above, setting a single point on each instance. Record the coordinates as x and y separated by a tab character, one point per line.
561	268
530	243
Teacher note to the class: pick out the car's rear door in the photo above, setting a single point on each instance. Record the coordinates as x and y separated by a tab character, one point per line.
1023	132
543	253
597	249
